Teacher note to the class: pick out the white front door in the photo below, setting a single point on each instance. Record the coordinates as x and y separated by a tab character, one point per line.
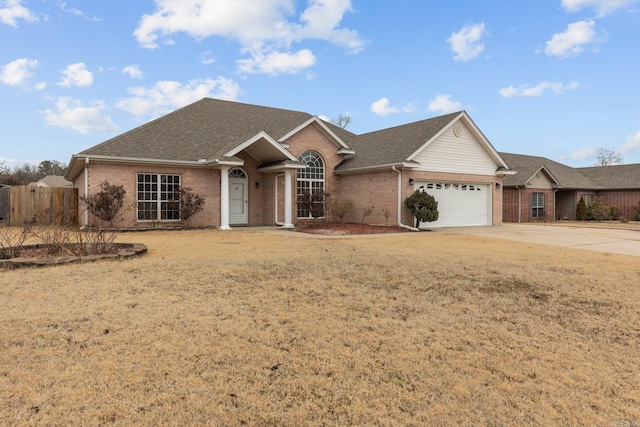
238	201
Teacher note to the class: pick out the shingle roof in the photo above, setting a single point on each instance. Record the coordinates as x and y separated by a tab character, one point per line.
393	145
205	129
614	177
526	166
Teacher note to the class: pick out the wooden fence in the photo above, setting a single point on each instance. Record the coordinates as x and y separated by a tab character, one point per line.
44	205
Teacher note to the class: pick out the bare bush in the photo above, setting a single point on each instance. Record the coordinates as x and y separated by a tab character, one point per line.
105	204
340	208
366	212
12	240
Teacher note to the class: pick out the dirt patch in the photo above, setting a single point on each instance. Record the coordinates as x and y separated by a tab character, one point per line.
337	229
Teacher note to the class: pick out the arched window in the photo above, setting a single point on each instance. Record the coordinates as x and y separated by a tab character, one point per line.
310	183
237	173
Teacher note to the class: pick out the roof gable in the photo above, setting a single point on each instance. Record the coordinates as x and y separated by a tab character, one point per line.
458	148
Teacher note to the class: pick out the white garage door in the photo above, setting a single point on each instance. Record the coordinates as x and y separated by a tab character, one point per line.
459	204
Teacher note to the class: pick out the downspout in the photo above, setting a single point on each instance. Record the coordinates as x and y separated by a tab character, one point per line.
86	191
554	203
400	224
519	203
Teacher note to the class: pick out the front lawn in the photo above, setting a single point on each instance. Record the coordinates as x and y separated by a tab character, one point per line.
251	327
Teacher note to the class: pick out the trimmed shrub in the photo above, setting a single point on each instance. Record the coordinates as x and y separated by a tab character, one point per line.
423	207
581	210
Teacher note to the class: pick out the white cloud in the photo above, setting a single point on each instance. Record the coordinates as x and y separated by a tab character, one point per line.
381	107
582	153
132	71
602	7
72	10
444	104
73	114
206	58
12	10
264	29
18	71
632	144
466	44
76	75
573	40
167	96
538	90
277	62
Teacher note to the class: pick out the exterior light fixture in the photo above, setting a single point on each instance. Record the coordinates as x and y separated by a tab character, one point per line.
411	181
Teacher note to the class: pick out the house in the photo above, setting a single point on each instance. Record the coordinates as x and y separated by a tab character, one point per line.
250	163
546	190
53	181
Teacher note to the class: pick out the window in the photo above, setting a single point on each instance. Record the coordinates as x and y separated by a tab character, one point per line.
237	173
156	197
537	205
310	179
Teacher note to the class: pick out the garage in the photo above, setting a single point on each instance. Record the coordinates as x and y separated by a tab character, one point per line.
459	204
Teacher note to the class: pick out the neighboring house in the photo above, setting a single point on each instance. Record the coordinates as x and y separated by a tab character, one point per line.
251	162
53	181
545	190
5	209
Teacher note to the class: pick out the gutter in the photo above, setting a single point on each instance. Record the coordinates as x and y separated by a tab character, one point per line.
400	224
86	190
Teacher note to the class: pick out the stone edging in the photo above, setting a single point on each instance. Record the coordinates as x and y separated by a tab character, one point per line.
127	250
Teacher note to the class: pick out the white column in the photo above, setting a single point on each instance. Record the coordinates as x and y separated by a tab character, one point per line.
288	205
224	199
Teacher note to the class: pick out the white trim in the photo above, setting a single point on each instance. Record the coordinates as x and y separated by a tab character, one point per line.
256	138
474	130
288	205
283	166
404	165
224	198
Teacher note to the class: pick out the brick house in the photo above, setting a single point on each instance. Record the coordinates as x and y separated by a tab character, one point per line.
250	163
545	190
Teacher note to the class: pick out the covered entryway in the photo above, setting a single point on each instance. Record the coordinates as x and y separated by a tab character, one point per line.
459	204
238	197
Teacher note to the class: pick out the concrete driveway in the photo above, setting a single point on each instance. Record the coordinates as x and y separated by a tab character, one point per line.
625	242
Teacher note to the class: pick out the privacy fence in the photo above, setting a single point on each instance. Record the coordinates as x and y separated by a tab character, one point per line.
42	205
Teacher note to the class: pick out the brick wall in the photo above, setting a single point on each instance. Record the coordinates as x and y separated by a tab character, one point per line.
204	182
310	138
624	200
377	189
513	197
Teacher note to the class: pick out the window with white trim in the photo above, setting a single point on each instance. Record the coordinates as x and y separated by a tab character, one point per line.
537	205
157	197
310	179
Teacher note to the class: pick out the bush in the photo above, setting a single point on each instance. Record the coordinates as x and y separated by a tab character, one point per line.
341	208
423	207
315	202
105	204
366	212
636	212
598	210
581	210
188	202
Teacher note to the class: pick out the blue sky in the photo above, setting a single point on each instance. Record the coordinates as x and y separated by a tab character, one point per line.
555	78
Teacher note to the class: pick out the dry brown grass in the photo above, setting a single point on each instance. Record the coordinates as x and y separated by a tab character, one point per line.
258	328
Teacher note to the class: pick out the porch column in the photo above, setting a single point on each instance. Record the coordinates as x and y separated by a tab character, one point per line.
288	205
224	198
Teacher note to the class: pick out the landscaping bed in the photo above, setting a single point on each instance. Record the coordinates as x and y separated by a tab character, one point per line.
338	229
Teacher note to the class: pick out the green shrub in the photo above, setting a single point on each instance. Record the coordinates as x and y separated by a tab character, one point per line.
423	207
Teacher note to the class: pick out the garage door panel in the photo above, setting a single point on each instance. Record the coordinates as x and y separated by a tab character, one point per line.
459	204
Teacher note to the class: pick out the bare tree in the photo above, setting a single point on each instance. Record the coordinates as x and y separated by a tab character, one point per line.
343	120
606	157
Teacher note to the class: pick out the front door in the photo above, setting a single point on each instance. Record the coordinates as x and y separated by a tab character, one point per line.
238	197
